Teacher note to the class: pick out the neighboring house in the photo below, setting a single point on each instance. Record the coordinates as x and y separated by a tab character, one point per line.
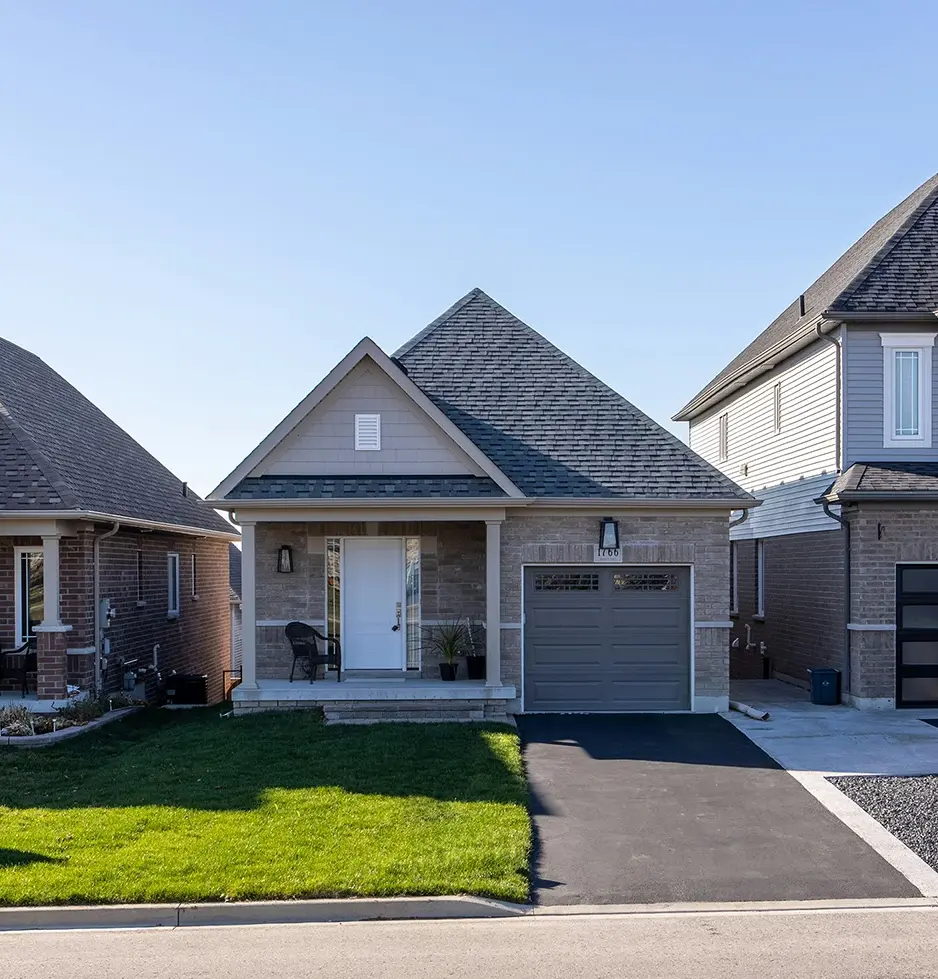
829	416
234	595
105	557
468	476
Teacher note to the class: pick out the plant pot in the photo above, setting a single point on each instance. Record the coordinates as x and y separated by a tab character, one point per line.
448	671
475	667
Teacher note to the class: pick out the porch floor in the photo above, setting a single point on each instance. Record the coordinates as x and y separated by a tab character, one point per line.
372	689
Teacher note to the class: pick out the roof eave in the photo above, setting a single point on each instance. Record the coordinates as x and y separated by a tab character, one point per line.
496	502
883	496
874	316
124	521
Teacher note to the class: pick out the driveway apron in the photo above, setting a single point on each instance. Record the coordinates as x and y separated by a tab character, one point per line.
655	808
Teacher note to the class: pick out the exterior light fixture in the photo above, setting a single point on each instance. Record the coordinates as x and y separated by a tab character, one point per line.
285	559
608	534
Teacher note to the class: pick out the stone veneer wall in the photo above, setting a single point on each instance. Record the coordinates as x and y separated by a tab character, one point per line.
882	536
700	539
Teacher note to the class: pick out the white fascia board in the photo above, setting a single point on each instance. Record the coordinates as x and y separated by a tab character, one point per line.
97	517
366	347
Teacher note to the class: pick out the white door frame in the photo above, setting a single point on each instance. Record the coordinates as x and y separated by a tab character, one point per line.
402	598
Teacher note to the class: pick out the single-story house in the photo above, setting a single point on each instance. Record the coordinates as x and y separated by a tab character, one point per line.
108	562
480	474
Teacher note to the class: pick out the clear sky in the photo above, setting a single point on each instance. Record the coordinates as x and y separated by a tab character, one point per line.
204	204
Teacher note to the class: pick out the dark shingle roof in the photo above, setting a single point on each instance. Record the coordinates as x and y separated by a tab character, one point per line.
363	487
552	427
877	478
59	452
892	268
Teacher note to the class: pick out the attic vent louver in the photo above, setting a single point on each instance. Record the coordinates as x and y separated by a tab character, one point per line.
368	432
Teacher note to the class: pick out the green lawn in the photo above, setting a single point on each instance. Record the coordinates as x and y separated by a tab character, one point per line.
185	806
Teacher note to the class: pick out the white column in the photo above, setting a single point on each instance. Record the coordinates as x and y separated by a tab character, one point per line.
493	599
50	581
248	612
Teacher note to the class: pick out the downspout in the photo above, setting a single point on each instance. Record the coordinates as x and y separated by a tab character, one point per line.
97	604
837	394
845	523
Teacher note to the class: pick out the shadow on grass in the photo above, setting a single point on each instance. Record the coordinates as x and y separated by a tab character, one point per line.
197	760
22	858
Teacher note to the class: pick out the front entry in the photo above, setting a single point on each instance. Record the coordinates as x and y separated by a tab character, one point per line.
373	623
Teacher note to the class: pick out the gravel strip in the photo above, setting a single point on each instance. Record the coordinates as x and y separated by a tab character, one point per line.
907	806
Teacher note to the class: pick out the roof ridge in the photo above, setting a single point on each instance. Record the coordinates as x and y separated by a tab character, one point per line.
886	250
29	445
440	320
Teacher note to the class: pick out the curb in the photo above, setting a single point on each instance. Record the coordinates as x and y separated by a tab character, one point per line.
53	737
255	913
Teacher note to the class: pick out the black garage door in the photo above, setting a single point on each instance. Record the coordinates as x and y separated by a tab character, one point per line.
917	635
606	639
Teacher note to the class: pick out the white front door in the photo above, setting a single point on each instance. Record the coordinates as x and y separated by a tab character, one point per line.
373	595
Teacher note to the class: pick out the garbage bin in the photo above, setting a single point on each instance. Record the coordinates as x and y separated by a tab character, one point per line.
825	686
182	688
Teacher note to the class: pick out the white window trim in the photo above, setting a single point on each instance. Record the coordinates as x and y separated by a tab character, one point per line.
760	578
366	446
777	407
172	567
18	553
920	343
723	436
734	577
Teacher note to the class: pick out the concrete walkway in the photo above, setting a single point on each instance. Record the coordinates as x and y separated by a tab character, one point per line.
841	740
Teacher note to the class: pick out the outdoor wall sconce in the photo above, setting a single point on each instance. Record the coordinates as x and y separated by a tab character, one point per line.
285	559
608	533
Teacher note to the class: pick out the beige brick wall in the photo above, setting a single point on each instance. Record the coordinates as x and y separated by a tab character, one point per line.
882	536
700	539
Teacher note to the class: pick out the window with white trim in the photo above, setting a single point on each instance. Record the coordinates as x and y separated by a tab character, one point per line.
172	584
777	407
734	577
760	577
907	389
724	423
29	592
367	433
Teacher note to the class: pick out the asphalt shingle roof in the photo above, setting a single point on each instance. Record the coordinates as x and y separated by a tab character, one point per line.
886	477
552	427
363	487
59	452
892	268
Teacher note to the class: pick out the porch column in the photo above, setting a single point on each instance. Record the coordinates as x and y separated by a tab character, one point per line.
248	611
493	599
50	580
51	635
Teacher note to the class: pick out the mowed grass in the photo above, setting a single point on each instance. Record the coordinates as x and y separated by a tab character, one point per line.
186	806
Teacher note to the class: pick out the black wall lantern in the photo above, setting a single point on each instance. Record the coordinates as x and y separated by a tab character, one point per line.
608	533
285	559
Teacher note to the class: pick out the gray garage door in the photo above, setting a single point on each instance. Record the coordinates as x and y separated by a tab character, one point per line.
609	639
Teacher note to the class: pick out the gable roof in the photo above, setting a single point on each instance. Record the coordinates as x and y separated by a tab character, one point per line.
58	452
893	268
365	348
551	426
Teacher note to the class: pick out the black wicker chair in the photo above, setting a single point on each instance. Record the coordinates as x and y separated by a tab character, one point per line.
314	649
21	673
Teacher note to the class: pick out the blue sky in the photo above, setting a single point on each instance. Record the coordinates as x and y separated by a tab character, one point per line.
206	203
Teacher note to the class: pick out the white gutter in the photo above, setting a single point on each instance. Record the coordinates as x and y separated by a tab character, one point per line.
93	515
98	638
500	503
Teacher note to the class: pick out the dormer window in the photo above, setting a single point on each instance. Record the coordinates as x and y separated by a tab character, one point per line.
367	433
907	387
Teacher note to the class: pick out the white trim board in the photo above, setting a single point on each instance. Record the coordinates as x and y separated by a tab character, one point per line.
366	347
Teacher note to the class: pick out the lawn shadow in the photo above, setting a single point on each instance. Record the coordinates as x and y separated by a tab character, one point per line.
22	858
197	760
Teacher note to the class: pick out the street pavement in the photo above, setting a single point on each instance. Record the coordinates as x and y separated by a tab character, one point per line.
896	943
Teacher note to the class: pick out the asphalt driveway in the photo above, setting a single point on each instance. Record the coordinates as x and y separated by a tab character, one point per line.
680	807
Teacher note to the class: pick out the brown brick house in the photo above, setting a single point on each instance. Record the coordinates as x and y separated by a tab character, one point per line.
107	561
475	476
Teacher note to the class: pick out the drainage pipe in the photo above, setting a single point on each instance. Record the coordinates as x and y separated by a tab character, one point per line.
838	387
845	523
758	715
98	628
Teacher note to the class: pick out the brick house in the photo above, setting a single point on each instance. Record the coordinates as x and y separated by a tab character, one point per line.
829	418
107	561
480	474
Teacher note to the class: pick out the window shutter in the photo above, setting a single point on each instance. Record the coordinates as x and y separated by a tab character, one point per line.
368	432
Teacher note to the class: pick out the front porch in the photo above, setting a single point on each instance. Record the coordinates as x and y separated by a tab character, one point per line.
369	699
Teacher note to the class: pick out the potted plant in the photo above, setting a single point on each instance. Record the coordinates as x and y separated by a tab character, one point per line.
475	652
448	640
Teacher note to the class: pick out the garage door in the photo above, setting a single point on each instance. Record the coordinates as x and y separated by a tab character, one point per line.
606	639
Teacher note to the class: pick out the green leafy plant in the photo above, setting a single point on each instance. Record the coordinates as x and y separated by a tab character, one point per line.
448	639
